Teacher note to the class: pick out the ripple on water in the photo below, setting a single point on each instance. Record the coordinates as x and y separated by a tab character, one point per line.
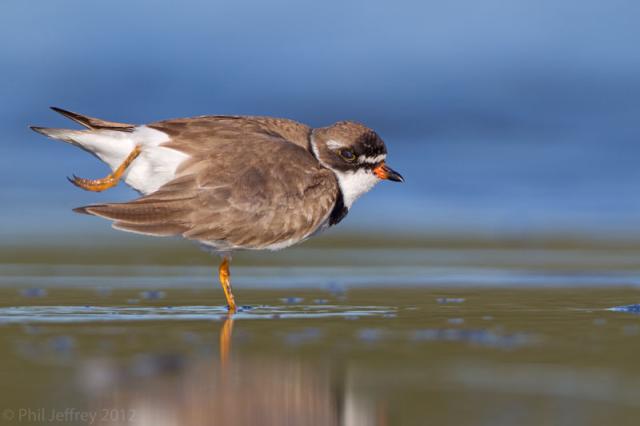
79	314
152	294
445	300
33	292
479	337
633	309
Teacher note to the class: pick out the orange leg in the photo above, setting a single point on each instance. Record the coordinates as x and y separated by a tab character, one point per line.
97	185
224	274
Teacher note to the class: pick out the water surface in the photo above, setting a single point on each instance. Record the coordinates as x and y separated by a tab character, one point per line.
508	353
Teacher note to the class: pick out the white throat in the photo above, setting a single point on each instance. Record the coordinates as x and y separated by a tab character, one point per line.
352	183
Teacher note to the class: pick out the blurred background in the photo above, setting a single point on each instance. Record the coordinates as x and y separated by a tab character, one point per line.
507	119
496	286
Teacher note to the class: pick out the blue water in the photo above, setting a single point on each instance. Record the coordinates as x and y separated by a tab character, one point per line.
504	118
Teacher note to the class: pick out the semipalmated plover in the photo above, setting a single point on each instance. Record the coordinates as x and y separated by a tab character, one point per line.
230	182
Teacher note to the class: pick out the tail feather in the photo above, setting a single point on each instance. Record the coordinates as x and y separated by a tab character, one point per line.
110	145
156	230
163	218
104	139
94	123
67	135
114	142
136	211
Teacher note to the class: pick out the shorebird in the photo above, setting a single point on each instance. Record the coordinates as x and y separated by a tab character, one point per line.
229	182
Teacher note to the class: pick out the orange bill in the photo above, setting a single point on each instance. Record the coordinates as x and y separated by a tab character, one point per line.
387	173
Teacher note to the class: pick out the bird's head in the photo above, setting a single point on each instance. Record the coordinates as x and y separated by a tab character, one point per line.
356	154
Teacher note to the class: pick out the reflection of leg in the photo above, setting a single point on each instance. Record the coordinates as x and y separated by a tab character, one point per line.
225	340
97	185
224	274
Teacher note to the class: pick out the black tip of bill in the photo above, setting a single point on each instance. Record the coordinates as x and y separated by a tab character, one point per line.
389	174
395	176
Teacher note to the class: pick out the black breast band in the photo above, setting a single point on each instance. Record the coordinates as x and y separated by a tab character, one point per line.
339	210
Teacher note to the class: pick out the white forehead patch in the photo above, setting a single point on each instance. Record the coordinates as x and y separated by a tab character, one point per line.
372	160
334	144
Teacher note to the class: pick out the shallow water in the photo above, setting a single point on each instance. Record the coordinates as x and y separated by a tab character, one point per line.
428	343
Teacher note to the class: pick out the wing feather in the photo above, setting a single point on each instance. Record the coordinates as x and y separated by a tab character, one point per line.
265	192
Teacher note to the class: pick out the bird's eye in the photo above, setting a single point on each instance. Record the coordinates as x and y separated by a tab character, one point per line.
347	155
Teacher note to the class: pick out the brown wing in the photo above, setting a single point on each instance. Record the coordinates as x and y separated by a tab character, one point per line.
240	189
196	134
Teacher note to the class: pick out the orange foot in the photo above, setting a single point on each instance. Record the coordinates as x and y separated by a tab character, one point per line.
98	185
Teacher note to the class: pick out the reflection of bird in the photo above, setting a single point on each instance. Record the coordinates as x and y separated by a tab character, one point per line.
230	182
172	388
